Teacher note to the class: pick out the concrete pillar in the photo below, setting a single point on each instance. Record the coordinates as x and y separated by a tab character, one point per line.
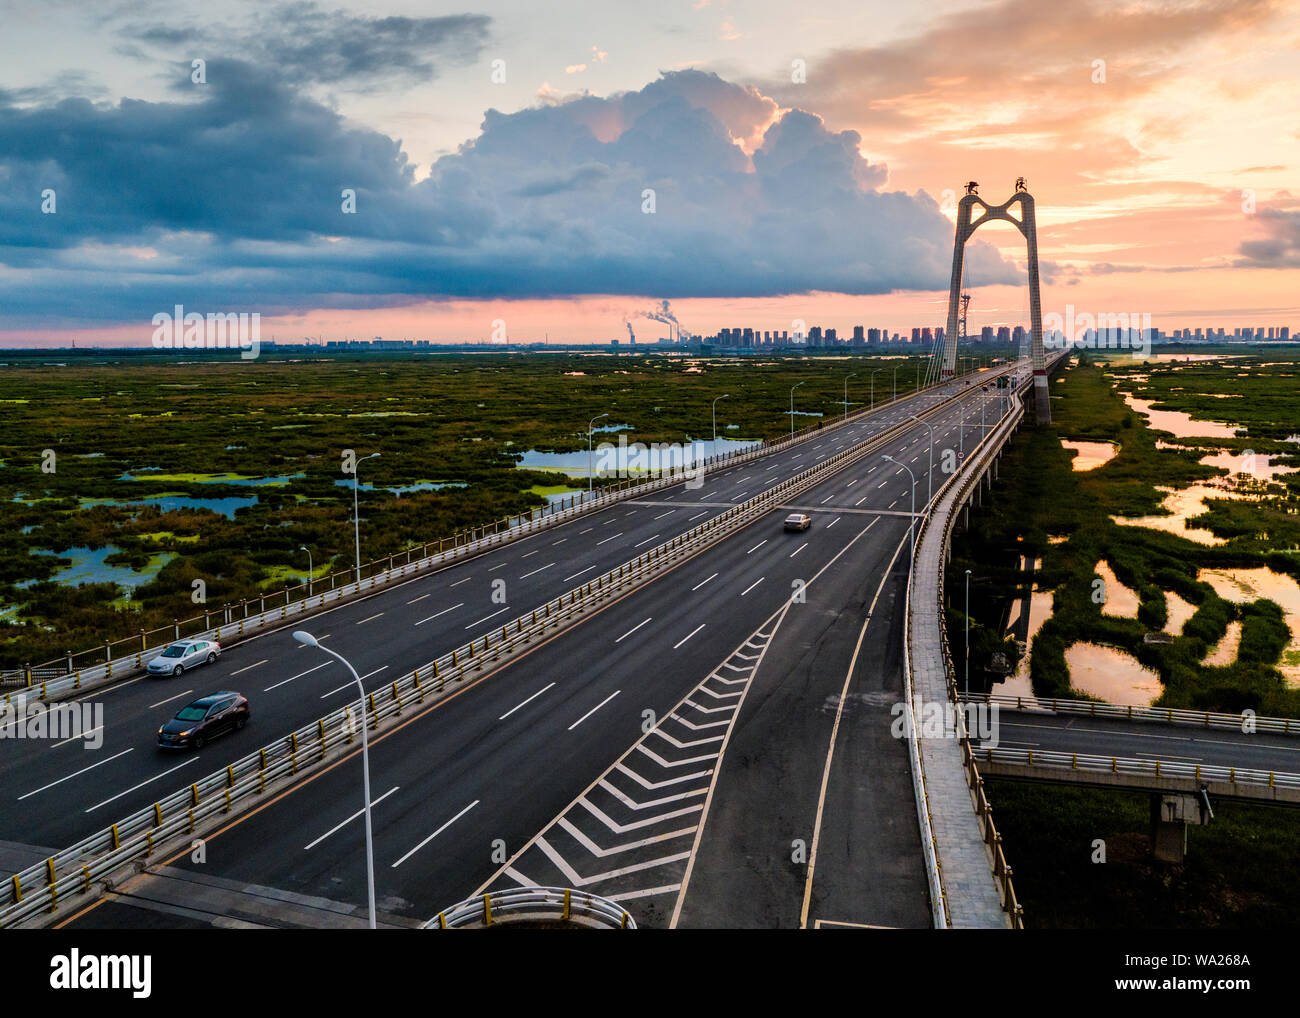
1168	828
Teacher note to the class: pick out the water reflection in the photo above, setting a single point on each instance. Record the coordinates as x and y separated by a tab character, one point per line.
1111	674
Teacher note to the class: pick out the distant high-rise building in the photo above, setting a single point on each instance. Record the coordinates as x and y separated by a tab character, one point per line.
873	336
986	334
916	335
859	335
1004	334
815	336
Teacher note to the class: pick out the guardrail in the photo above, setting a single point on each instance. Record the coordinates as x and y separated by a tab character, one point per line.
68	675
1143	713
141	835
1056	760
963	480
533	905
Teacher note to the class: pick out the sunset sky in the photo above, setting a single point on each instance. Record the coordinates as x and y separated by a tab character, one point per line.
804	159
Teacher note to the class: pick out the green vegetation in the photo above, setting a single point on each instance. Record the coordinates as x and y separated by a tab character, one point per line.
1038	495
1241	870
211	427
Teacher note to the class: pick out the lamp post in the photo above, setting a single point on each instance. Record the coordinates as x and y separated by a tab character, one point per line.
792	388
911	523
846	393
873	387
896	367
356	517
715	420
307	640
590	473
310	570
966	680
929	491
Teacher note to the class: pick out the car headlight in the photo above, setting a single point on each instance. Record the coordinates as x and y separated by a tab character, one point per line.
183	734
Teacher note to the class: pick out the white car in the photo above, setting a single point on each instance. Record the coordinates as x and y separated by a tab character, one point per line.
186	654
798	521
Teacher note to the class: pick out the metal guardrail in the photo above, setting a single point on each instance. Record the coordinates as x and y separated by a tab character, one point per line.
137	837
1140	768
1002	873
536	905
1140	712
62	677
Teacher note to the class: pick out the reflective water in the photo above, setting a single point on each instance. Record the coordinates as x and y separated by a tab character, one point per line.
1111	674
1090	455
1242	585
1177	423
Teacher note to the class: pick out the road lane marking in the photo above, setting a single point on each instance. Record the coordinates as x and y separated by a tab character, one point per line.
646	541
170	699
486	617
587	531
662	515
689	635
607	539
536	571
370	619
459	582
697	516
420	598
443	612
142	784
75	773
752	585
530	554
249	668
435	833
797	550
525	702
577	574
339	827
501	565
826	499
594	709
560	541
632	630
285	682
701	583
757	546
833	522
347	685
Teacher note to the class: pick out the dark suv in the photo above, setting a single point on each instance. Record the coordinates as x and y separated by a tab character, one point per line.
203	720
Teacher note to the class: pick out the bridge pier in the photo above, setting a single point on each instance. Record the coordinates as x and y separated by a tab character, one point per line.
1170	816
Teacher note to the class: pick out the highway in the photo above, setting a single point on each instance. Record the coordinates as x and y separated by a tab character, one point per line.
60	792
466	785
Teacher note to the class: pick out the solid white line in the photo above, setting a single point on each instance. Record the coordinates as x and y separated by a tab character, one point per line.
701	583
536	571
486	617
435	833
376	802
594	709
443	612
757	546
525	702
577	574
632	630
298	676
142	784
249	668
688	635
73	775
752	585
170	699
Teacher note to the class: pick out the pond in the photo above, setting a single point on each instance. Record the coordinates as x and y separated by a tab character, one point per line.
402	489
1243	585
1177	423
166	503
1183	504
1090	455
88	566
1111	674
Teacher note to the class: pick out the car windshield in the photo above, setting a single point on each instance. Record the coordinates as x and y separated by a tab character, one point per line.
175	650
192	713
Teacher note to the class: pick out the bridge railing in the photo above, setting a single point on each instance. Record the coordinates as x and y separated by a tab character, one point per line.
114	659
1245	721
534	905
958	489
144	834
1208	773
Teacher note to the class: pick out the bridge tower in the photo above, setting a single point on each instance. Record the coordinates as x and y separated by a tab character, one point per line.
967	223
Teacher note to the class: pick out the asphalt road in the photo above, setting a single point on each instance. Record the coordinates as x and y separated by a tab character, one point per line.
60	792
467	784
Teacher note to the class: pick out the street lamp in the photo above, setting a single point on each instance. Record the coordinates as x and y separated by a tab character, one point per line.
966	681
846	393
929	491
356	518
310	570
307	640
725	395
792	388
590	473
911	523
873	387
896	367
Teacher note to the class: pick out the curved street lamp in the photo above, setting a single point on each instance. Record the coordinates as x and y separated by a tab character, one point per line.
590	473
792	388
725	395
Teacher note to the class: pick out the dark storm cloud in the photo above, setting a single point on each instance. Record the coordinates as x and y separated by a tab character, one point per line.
232	198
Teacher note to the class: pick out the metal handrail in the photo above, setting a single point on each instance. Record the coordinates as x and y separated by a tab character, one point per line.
1141	712
521	904
1057	760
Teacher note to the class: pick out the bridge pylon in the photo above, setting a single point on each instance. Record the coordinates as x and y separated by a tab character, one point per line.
967	223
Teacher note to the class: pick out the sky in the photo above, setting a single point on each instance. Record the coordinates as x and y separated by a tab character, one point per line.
455	173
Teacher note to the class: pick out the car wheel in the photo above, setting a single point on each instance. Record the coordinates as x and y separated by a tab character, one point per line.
240	722
211	658
177	670
199	742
